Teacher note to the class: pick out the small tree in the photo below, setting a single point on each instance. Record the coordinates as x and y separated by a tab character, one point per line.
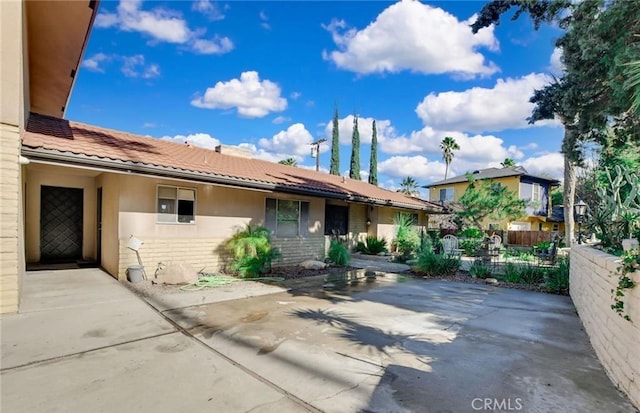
335	146
373	163
409	187
489	199
448	145
288	161
354	170
508	163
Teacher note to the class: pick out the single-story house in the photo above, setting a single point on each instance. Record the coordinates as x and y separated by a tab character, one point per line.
88	190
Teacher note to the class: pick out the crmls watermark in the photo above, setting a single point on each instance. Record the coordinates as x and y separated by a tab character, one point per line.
499	405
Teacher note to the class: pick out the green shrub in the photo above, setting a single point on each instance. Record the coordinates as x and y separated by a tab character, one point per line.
479	270
531	275
543	246
338	253
372	246
470	240
251	250
431	264
557	278
470	245
407	239
511	273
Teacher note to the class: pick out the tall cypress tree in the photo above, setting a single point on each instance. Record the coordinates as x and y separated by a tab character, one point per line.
335	146
373	163
354	170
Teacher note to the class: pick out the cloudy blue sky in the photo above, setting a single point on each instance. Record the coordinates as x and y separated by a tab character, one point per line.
267	76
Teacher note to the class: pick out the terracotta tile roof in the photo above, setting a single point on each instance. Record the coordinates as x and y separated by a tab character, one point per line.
52	138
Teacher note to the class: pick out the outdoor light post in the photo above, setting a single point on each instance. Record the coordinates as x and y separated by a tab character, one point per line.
580	209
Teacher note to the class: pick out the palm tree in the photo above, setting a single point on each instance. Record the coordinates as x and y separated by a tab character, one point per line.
508	163
289	161
448	145
409	187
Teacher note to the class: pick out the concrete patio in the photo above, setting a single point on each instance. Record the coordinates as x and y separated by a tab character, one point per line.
85	343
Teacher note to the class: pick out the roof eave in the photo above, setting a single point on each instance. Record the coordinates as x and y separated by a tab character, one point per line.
47	155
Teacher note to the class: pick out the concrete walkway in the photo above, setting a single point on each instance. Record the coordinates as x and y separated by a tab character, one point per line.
84	343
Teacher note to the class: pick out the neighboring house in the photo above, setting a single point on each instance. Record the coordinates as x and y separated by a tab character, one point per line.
75	192
536	190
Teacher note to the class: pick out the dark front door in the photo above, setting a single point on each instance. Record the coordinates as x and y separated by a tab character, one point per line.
60	224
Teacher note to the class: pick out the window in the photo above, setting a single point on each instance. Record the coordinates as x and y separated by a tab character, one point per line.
286	218
535	193
446	195
556	227
176	205
336	220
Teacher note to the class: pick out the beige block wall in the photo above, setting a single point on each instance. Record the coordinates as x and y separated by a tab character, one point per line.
615	340
11	256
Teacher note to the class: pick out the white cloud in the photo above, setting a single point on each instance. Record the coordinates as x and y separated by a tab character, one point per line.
365	128
556	66
551	164
217	45
294	141
203	140
281	119
418	167
94	62
410	35
505	106
264	19
134	66
209	9
252	97
164	25
266	155
295	95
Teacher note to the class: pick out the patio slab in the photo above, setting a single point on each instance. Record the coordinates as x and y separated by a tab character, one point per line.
422	346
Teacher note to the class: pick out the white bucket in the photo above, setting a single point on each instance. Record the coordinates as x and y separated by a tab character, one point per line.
135	273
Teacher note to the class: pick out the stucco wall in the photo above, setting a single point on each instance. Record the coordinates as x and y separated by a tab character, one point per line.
615	340
220	212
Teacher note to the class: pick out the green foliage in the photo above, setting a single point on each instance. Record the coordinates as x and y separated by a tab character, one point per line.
288	161
354	169
338	253
373	162
479	270
448	145
531	275
431	264
409	186
617	215
470	245
557	278
630	262
556	197
372	246
489	199
251	250
543	246
511	273
508	163
335	146
407	239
